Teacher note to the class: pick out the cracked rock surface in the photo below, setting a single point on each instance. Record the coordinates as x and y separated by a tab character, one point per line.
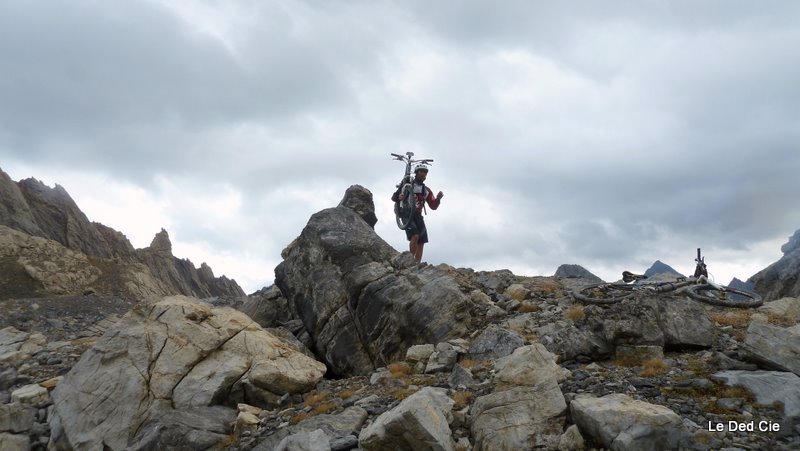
169	360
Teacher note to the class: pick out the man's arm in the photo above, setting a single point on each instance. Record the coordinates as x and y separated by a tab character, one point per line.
434	202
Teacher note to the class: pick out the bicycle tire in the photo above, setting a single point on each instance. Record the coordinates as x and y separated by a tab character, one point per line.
404	209
603	293
729	297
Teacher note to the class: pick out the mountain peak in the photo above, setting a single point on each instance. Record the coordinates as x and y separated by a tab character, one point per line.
659	267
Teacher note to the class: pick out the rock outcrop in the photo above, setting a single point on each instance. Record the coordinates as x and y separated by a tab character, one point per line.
782	278
768	387
361	301
171	372
421	421
621	423
528	406
774	347
577	272
46	240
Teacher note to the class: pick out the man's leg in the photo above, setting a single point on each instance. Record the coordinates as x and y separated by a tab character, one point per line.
418	254
413	245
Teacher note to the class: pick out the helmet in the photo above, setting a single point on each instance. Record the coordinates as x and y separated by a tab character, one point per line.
420	167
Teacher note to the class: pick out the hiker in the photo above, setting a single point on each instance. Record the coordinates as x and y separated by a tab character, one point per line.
416	232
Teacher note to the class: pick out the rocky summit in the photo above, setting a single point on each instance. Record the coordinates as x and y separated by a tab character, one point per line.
356	346
781	278
49	247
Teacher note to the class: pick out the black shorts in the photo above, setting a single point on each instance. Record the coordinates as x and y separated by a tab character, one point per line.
417	227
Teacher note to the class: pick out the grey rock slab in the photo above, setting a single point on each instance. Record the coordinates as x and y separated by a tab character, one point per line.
14	442
32	395
419	422
12	339
684	323
179	352
773	346
183	430
529	365
16	418
518	418
787	309
633	322
305	441
495	342
418	353
569	342
622	423
767	387
442	359
343	424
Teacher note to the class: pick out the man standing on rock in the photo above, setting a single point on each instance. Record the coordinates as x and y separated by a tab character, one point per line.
416	232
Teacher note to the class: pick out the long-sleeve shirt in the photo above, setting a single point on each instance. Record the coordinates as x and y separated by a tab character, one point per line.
424	194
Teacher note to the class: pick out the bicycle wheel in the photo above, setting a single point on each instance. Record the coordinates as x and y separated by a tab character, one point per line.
603	293
403	209
727	297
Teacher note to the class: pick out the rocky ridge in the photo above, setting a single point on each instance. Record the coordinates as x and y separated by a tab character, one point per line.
781	278
519	355
49	247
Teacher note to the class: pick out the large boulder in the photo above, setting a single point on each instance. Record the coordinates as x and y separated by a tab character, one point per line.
163	367
782	278
420	421
363	303
495	342
521	417
528	406
633	322
684	323
528	365
621	423
773	347
569	341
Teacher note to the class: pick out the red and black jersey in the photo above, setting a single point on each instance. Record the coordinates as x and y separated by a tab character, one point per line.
423	194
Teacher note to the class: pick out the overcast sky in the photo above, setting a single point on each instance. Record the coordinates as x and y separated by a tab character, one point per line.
607	134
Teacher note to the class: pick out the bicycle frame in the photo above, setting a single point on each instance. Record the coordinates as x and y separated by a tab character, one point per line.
698	287
408	161
404	205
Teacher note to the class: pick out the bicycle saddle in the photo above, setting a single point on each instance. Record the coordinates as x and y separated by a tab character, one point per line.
629	277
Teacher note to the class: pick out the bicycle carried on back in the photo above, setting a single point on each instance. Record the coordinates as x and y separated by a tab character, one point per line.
698	287
406	202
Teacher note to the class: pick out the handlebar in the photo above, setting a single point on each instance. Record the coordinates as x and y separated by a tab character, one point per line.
409	160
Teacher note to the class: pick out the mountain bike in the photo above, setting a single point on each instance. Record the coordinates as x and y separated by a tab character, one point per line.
698	287
406	204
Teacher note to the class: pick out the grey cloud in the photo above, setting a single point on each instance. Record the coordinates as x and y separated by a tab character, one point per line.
680	125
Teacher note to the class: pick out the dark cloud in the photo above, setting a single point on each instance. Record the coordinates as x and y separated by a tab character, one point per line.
599	135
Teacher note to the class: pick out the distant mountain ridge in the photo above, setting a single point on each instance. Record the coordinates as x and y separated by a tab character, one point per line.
113	266
660	267
572	271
